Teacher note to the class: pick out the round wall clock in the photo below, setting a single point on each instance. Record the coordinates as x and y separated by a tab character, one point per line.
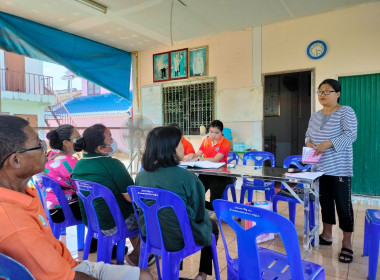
316	49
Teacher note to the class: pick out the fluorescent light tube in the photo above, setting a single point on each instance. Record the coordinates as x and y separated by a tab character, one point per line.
94	5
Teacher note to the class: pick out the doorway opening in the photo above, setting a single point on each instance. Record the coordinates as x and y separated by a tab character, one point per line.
287	110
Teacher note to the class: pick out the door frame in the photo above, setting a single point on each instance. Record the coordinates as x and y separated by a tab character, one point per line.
312	90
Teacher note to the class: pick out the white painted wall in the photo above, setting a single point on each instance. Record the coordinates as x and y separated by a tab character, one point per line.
352	38
353	41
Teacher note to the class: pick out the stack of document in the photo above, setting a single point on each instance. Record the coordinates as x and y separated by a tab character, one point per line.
202	164
305	175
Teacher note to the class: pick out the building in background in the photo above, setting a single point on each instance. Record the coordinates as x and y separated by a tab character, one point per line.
25	91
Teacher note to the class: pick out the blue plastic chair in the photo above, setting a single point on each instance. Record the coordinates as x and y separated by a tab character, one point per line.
254	262
153	242
88	191
250	185
232	156
41	183
372	240
297	162
11	269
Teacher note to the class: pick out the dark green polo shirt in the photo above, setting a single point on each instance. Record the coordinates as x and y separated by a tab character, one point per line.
186	185
109	172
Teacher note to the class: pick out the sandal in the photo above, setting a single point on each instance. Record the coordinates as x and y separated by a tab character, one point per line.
324	241
344	257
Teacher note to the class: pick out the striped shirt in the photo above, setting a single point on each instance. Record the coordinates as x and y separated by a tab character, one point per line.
340	127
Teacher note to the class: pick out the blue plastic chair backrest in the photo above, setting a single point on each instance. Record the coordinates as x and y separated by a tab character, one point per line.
44	182
266	222
227	133
163	199
88	191
258	157
297	162
11	269
38	185
232	156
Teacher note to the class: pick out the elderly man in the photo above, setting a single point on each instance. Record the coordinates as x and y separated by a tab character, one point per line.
25	234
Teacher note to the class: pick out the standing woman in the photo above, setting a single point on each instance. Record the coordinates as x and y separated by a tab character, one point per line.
214	148
332	131
59	167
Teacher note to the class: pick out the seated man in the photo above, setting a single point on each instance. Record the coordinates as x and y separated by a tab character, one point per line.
25	234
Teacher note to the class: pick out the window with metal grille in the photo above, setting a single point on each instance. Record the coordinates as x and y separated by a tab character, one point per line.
189	106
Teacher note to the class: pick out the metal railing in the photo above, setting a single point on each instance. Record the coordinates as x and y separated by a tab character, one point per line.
118	134
26	82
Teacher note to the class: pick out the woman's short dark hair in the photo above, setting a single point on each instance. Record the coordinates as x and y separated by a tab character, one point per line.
334	84
176	126
12	135
216	123
58	135
160	148
93	137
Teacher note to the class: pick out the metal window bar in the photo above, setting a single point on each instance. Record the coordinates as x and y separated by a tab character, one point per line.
190	106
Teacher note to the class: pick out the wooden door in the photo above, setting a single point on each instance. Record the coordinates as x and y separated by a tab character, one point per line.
32	119
15	72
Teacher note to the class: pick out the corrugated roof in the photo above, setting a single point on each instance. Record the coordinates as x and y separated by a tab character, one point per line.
95	104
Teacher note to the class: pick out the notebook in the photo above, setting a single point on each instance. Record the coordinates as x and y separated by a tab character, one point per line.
202	164
308	155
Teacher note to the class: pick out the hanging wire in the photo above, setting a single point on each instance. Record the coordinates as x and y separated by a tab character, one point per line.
171	23
171	19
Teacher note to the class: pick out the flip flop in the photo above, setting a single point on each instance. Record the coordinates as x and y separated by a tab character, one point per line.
344	257
324	242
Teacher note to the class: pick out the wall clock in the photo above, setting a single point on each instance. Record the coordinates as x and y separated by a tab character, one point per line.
316	49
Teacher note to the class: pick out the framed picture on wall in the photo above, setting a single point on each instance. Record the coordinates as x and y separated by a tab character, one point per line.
178	64
198	62
161	67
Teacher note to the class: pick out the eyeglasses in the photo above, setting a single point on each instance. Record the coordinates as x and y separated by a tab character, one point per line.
324	92
42	146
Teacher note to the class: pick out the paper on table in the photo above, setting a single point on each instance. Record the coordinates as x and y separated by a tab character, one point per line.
305	175
202	164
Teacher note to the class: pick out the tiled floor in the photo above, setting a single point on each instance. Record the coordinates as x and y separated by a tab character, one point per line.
327	256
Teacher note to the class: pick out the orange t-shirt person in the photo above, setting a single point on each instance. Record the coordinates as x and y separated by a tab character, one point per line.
214	148
187	146
26	236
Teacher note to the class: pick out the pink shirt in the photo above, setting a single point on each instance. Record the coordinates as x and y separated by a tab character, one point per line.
59	167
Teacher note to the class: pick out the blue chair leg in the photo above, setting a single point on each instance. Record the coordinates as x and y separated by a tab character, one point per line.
158	267
80	236
292	212
215	258
242	194
233	192
170	267
268	194
366	236
120	252
311	216
373	251
274	202
87	245
250	194
142	262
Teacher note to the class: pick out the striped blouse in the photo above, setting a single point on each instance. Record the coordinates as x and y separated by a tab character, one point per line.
341	128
